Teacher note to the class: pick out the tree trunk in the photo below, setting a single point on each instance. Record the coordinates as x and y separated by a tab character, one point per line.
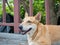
58	15
53	16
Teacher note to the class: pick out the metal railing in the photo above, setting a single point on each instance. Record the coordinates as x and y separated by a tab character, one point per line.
16	15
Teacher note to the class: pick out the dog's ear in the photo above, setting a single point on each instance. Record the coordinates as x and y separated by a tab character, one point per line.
38	16
26	14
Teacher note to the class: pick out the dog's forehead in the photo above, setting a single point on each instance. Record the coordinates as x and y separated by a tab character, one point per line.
29	18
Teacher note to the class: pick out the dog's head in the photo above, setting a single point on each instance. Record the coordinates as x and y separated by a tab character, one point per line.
29	23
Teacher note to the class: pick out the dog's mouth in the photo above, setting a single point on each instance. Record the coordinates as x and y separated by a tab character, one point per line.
24	32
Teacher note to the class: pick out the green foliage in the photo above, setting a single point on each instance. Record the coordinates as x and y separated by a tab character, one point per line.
0	9
12	7
22	11
9	11
7	8
56	6
38	6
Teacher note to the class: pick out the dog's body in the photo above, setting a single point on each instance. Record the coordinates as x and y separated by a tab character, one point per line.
46	35
40	34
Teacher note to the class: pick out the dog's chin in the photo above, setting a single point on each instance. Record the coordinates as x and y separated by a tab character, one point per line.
24	32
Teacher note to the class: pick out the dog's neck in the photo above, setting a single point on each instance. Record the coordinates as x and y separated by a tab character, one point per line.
35	33
32	34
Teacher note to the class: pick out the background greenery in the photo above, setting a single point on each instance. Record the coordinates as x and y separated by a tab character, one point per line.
38	5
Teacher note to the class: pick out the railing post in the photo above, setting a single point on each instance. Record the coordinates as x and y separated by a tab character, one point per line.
47	11
30	7
16	15
4	11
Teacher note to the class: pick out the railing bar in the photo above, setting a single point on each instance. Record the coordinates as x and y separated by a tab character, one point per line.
7	24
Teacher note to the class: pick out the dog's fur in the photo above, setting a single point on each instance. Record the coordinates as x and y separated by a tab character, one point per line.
40	34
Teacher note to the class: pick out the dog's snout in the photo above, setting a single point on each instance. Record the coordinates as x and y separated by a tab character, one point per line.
21	27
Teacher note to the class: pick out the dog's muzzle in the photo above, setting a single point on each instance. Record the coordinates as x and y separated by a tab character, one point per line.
22	31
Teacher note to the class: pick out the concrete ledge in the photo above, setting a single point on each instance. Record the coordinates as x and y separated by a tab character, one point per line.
13	36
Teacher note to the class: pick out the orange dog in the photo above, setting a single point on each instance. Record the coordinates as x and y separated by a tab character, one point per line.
37	33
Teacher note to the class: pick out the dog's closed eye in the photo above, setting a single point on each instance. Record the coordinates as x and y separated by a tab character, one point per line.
29	22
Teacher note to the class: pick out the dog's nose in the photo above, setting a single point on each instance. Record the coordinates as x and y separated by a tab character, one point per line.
21	27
